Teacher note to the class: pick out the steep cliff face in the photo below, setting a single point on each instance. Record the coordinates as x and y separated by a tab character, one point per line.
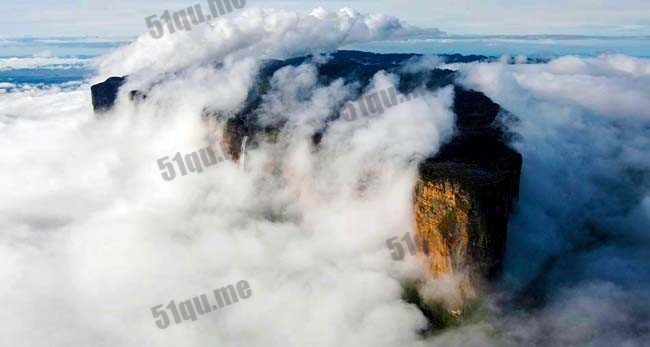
442	213
464	195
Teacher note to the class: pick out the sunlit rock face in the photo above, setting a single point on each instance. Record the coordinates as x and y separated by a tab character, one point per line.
465	194
442	210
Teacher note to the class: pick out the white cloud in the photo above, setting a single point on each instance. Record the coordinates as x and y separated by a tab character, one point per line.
43	63
92	237
584	128
121	17
266	33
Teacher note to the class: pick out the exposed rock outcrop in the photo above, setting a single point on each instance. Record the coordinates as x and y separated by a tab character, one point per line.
465	193
104	94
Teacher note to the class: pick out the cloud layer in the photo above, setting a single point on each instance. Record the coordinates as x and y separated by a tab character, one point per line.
92	237
260	33
579	244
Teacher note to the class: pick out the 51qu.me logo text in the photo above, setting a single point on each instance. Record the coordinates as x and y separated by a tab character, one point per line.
194	162
184	19
395	245
197	306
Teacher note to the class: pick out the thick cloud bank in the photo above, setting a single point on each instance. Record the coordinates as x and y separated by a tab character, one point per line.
579	245
92	237
260	33
43	63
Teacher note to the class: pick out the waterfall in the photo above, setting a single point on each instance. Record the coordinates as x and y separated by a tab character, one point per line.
242	156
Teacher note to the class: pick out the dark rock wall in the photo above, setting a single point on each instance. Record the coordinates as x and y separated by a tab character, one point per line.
104	94
464	195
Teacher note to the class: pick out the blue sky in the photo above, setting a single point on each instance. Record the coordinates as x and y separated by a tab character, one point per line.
518	17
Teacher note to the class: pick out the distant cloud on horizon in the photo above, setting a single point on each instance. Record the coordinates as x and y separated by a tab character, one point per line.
125	18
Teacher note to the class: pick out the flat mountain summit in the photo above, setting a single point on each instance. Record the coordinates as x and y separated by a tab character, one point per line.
465	192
